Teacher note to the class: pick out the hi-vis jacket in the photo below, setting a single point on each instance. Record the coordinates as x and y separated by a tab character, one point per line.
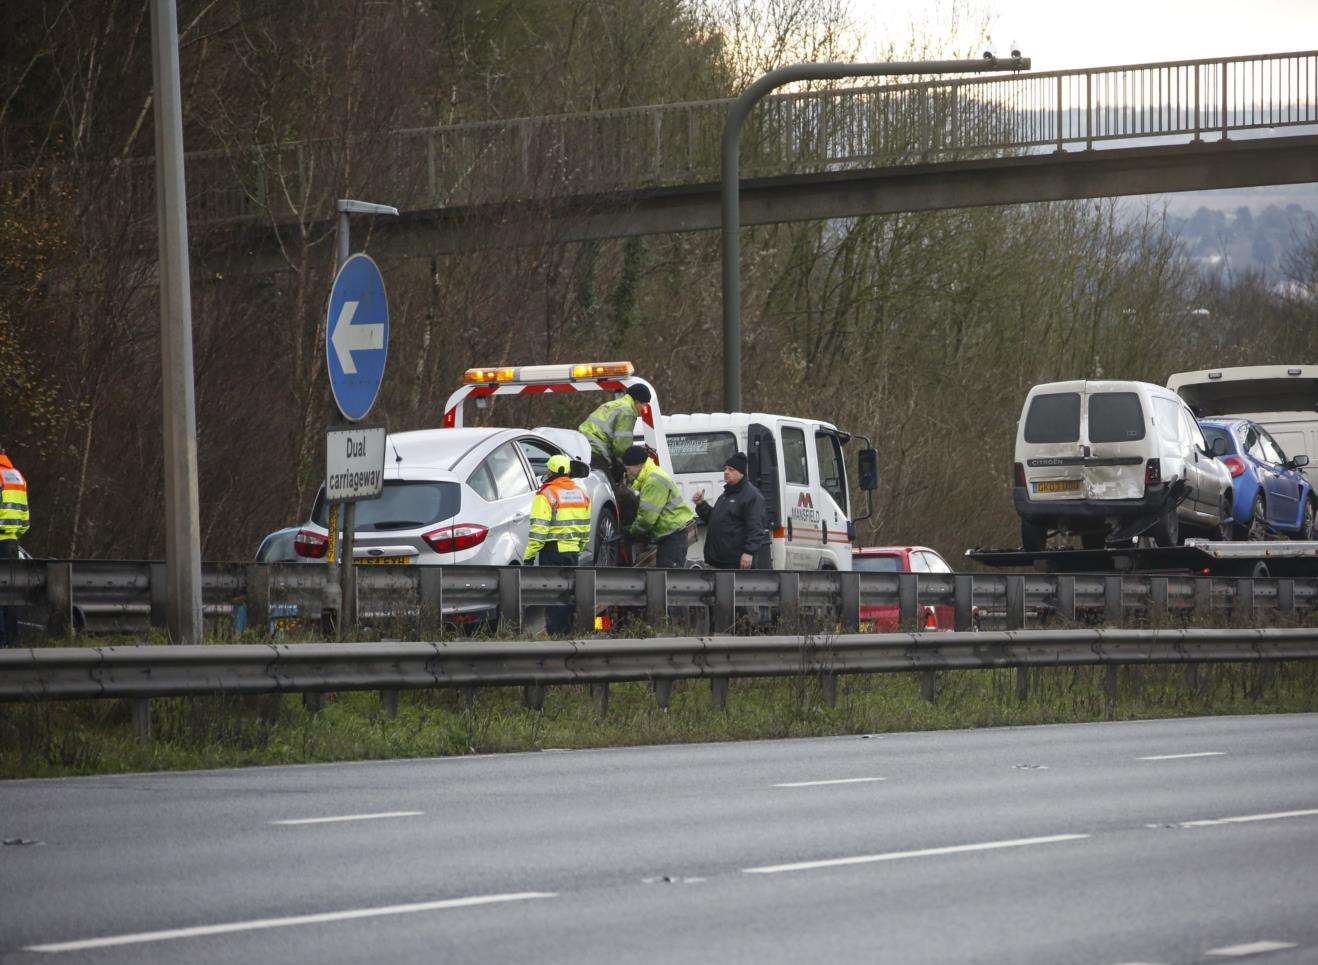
662	510
13	501
609	428
560	512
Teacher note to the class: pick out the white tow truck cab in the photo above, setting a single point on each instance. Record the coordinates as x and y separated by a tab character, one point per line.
799	466
1281	398
797	463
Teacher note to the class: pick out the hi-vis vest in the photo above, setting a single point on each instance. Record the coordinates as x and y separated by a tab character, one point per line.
609	428
662	510
560	512
13	501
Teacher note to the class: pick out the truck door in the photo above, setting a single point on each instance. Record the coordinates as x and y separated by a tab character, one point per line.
833	500
802	516
762	452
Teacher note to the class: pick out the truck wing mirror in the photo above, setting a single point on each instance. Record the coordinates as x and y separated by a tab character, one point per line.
868	461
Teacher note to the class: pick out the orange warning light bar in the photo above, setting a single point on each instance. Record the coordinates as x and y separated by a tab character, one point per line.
594	370
490	375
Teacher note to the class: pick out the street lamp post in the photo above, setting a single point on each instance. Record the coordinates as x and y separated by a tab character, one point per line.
731	187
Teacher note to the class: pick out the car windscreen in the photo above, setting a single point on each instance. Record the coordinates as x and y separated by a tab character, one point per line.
700	451
1115	417
402	505
877	564
1053	417
1213	433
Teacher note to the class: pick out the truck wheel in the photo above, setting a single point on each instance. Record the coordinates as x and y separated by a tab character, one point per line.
1167	530
1033	536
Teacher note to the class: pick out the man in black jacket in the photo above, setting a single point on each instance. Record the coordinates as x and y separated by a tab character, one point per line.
737	535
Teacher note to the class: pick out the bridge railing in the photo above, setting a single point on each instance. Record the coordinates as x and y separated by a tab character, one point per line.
670	144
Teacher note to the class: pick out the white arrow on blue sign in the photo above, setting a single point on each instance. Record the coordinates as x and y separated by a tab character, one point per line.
357	336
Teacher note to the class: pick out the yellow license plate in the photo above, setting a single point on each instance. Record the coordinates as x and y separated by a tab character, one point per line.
382	560
1057	486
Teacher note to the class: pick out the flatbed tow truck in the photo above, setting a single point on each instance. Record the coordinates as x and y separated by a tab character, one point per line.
1196	557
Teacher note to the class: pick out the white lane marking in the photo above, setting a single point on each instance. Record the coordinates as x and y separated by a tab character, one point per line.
1177	757
237	926
922	853
1253	948
840	780
352	817
1244	819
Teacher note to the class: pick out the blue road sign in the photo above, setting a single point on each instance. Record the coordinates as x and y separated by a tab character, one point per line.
357	336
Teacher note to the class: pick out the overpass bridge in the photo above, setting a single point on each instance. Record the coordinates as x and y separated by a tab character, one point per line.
1105	131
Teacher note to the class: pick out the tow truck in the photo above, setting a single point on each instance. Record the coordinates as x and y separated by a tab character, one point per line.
797	463
1196	557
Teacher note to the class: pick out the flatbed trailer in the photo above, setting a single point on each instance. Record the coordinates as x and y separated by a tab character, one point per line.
1197	556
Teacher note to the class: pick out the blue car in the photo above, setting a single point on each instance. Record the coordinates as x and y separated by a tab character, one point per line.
1271	494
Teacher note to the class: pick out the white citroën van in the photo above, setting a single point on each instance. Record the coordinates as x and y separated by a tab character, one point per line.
1109	460
1281	398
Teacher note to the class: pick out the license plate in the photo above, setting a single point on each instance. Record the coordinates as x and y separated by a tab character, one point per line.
382	560
1057	486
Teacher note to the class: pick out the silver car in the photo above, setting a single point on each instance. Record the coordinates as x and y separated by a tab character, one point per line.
463	496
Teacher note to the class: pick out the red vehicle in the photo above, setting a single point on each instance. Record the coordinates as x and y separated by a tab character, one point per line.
901	559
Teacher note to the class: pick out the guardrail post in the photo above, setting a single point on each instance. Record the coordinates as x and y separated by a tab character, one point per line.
1022	684
1158	597
158	593
849	599
718	692
656	597
828	688
510	597
929	686
257	598
533	696
1192	676
1242	602
599	693
725	601
1015	602
1203	595
430	602
312	701
142	718
1113	605
389	703
789	598
964	585
583	599
908	601
1285	596
469	697
1066	598
1111	685
59	600
663	691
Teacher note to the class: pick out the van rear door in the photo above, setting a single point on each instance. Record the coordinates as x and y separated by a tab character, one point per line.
1115	426
1050	445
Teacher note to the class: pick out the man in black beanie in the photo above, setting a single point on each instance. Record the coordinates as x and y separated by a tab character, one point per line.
737	536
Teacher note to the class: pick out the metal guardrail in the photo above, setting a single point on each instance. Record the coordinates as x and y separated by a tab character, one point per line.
104	594
141	673
671	144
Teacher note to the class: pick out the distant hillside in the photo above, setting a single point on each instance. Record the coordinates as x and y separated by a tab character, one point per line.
1246	236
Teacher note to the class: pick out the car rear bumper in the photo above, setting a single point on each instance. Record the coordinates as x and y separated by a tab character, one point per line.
1040	511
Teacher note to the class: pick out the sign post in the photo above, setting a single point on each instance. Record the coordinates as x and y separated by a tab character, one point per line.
356	349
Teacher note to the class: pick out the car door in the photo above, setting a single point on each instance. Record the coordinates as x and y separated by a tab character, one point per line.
1283	484
510	516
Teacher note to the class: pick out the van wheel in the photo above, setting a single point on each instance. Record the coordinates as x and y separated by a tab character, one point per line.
1167	530
1033	536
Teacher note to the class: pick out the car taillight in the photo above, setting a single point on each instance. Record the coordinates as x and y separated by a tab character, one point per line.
1020	475
1235	464
310	545
1153	472
451	539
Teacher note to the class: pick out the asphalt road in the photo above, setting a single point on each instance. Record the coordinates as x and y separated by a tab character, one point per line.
1090	843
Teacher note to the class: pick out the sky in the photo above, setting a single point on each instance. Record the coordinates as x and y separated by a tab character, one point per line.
1062	34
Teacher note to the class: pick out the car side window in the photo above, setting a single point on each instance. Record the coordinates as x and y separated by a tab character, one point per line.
1190	430
483	483
1254	445
509	474
937	564
537	454
918	563
795	465
1274	452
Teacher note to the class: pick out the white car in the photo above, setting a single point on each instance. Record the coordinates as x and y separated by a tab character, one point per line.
1111	460
463	496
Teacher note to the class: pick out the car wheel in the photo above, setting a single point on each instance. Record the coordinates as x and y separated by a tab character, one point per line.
606	538
1222	532
1033	536
1257	528
1306	522
1167	530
